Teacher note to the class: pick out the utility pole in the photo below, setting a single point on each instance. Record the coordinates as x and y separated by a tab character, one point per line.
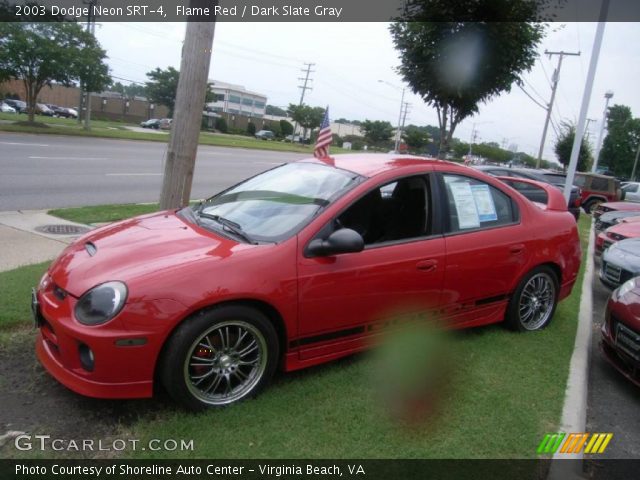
401	129
87	102
474	136
608	96
554	88
187	116
303	89
90	22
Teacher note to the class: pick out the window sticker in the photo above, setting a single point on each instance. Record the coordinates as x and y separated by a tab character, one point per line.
484	203
464	200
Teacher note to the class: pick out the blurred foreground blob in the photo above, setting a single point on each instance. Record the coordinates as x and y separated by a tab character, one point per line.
414	372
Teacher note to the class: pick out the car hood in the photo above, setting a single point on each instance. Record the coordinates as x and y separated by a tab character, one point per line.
132	249
621	206
625	254
631	230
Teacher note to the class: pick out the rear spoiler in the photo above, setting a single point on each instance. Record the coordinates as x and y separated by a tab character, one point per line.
555	198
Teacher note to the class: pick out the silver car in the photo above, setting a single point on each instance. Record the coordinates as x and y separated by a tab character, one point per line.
620	262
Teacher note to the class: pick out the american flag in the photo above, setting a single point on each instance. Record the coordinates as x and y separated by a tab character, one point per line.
324	137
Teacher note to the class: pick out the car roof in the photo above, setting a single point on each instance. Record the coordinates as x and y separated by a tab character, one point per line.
372	164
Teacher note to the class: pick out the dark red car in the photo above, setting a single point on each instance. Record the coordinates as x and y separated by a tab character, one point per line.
621	330
615	207
297	266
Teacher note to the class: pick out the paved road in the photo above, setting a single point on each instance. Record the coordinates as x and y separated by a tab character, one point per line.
50	171
613	402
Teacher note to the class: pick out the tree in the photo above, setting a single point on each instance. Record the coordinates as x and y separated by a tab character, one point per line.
131	90
564	145
162	86
40	54
286	128
275	111
308	117
415	137
621	143
221	125
377	132
251	128
455	66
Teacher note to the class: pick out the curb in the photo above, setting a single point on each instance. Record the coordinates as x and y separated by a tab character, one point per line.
574	411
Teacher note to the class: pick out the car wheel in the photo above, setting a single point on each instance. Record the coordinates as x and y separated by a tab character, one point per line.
534	302
591	204
219	357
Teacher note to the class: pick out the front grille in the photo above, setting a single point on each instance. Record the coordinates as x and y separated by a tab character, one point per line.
606	244
612	273
601	226
628	340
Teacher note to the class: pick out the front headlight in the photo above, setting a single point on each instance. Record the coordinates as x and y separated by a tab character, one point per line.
626	287
101	303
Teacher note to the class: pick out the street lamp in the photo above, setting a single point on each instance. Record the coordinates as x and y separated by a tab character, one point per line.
596	156
399	129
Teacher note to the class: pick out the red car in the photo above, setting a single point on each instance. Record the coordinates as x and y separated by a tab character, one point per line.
615	206
299	265
621	330
628	228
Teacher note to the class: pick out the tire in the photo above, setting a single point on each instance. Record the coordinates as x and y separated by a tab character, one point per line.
534	302
201	367
591	204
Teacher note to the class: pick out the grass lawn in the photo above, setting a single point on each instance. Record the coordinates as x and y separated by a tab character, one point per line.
15	285
117	130
104	213
507	392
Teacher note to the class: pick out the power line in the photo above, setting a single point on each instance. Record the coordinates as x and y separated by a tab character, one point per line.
532	99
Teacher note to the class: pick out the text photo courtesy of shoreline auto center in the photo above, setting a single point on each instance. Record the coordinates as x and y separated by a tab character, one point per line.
319	239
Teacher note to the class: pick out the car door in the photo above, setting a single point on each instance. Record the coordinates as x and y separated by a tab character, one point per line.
400	270
486	247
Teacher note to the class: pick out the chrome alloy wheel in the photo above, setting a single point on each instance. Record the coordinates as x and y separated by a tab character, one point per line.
537	301
226	362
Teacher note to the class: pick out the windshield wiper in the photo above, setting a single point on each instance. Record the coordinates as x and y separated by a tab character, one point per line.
229	226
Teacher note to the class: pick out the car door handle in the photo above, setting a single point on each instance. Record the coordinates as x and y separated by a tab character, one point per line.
516	249
427	265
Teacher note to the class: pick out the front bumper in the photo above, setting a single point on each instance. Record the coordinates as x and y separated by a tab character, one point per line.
124	351
620	360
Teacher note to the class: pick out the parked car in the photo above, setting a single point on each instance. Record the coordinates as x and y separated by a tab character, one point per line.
4	108
293	138
18	105
165	124
610	219
532	192
621	330
616	233
631	191
42	109
63	112
615	207
151	123
265	135
620	262
597	189
294	267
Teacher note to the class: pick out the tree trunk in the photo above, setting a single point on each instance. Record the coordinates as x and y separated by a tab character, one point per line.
185	130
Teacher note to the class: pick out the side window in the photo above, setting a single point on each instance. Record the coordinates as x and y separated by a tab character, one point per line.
474	204
600	184
395	211
631	188
580	181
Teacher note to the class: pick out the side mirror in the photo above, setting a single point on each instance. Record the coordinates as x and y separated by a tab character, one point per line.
344	240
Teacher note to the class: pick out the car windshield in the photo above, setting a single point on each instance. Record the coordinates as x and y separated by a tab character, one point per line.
275	204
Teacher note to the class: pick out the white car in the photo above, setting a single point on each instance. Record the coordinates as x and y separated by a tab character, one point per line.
4	108
631	191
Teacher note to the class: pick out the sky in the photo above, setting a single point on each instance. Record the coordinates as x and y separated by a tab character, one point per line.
354	73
